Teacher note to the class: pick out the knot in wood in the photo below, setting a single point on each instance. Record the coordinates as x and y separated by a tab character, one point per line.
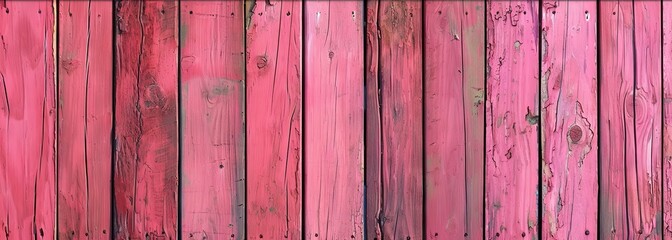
575	133
262	61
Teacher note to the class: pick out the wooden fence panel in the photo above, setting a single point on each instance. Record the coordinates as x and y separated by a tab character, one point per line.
512	154
274	111
334	120
146	160
667	120
85	119
454	118
212	119
27	120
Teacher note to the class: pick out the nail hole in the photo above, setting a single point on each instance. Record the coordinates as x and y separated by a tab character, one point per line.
352	236
524	12
261	236
523	234
72	233
436	234
466	13
233	235
221	166
496	234
70	14
553	12
104	232
315	234
408	237
288	13
587	232
586	12
411	14
86	234
191	12
7	10
41	232
440	12
163	11
39	11
640	231
466	234
286	236
233	14
614	13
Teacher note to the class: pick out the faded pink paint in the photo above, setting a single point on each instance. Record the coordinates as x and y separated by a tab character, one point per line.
274	115
569	119
631	120
454	118
85	119
146	128
212	116
512	119
27	120
667	120
334	120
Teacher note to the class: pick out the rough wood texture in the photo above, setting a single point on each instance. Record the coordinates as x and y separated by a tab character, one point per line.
85	120
569	119
667	119
396	70
631	120
512	120
334	120
454	118
212	117
27	120
274	128
145	167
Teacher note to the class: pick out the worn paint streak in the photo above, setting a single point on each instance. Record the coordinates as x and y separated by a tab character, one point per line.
454	118
334	121
512	120
85	120
630	97
27	120
145	167
274	111
399	76
667	120
212	117
569	119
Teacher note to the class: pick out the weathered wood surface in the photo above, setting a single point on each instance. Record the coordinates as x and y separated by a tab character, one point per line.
334	120
454	118
512	118
569	119
27	120
630	93
274	113
212	119
146	130
667	120
85	119
397	193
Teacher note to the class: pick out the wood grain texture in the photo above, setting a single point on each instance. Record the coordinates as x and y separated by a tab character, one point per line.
631	120
396	196
667	120
85	120
334	120
454	118
274	111
145	167
27	120
569	119
512	119
212	117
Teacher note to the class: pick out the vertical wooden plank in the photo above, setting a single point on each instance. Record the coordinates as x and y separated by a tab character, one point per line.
145	168
274	111
27	120
212	117
334	120
373	126
454	118
631	119
396	197
85	119
512	120
569	119
667	119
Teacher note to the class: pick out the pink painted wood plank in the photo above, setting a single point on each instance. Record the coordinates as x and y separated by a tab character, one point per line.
372	125
274	115
334	120
396	197
454	118
569	119
146	160
511	120
27	120
212	116
631	120
85	119
667	119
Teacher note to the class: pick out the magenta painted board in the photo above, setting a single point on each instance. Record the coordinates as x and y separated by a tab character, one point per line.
146	140
27	120
274	113
667	120
334	120
512	116
569	119
84	119
212	120
630	93
454	118
396	200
